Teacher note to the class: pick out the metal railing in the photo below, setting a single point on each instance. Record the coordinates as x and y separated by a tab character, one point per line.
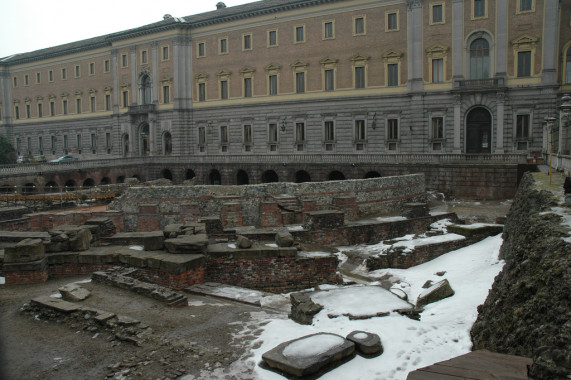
481	83
47	167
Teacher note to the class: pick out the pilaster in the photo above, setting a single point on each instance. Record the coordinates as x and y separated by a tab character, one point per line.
550	41
457	124
500	123
134	81
414	14
457	38
501	37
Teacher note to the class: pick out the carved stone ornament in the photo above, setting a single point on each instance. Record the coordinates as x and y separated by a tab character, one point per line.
359	58
412	4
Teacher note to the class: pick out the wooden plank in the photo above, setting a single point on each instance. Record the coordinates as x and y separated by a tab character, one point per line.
477	365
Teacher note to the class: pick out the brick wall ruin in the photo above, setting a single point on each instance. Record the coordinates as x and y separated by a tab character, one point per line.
267	205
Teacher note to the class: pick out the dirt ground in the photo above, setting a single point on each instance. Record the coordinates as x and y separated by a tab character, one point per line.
209	339
191	342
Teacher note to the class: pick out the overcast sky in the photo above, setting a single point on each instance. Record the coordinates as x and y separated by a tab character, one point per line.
28	25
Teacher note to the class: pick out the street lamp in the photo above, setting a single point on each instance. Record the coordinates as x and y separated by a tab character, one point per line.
549	121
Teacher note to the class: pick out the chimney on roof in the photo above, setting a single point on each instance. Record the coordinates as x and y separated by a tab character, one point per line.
220	5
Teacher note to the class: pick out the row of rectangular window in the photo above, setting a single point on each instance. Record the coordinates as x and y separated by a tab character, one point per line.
91	68
79	107
65	145
300	82
328	32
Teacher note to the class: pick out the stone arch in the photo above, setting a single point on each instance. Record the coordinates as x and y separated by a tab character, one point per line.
189	174
478	130
70	185
121	179
214	177
302	176
105	181
242	178
372	174
51	187
336	175
89	182
166	173
6	189
270	176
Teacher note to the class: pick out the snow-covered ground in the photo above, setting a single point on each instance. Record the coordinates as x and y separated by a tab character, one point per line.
441	333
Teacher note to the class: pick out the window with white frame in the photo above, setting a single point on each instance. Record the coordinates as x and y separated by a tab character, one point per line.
223	45
359	27
392	21
299	34
223	138
202	139
272	38
273	137
247	137
247	41
328	30
437	13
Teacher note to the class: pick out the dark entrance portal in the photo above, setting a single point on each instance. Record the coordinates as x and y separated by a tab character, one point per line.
479	131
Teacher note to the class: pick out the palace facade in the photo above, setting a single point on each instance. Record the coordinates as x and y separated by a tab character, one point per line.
289	77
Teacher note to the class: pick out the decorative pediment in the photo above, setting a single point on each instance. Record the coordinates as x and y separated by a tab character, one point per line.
107	89
125	84
328	62
78	93
392	55
92	91
524	40
166	80
64	94
201	76
247	70
273	68
299	64
437	51
39	98
52	96
222	74
27	99
16	101
145	70
359	58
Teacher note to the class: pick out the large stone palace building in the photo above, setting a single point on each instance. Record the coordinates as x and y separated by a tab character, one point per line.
289	77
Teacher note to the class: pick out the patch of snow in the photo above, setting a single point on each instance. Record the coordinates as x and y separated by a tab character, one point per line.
313	254
429	240
295	228
349	300
474	226
390	218
136	247
86	281
312	345
272	245
361	335
196	303
440	225
2	280
442	333
233	246
55	295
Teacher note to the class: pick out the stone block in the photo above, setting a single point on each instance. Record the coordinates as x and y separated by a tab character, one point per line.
27	250
172	230
415	210
307	355
303	308
154	241
195	244
323	220
74	293
284	239
435	293
366	343
80	240
243	242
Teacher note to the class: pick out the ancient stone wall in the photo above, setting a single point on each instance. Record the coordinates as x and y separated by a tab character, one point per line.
528	309
150	208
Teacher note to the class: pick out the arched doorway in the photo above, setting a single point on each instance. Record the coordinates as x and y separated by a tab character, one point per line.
242	178
88	183
167	144
51	187
144	140
166	173
302	176
336	176
372	174
270	176
70	185
189	174
215	177
479	131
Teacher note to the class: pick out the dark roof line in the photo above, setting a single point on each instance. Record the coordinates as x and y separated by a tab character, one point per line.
218	16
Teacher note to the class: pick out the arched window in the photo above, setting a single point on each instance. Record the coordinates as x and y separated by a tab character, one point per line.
167	144
568	67
146	90
479	59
